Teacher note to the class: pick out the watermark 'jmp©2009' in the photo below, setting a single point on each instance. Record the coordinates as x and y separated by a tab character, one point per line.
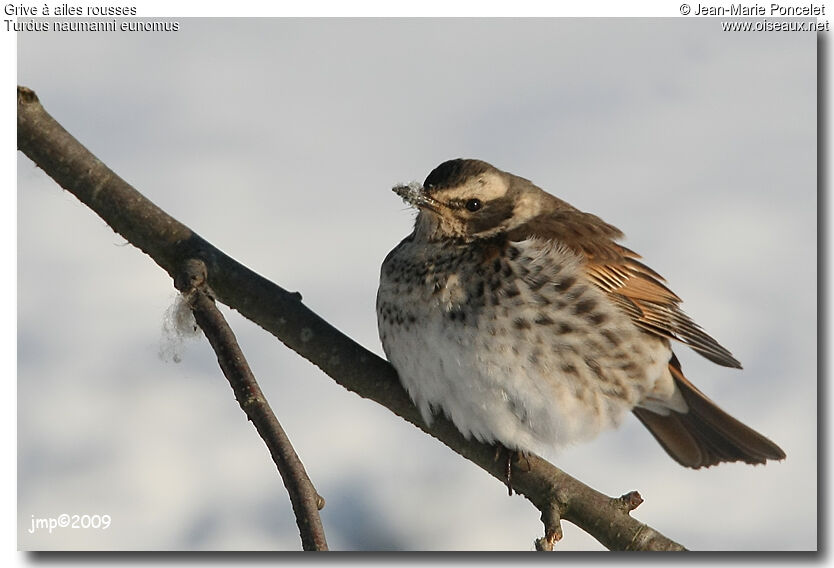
66	521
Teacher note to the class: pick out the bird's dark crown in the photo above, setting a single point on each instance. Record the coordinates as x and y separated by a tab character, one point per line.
452	173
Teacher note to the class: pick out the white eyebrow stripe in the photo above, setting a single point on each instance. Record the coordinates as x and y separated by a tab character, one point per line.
486	186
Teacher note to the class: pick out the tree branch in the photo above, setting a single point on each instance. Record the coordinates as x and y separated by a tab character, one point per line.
169	243
306	502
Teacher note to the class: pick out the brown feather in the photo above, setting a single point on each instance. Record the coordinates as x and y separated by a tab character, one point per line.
583	232
705	435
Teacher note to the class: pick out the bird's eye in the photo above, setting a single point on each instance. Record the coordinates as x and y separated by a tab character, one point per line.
473	205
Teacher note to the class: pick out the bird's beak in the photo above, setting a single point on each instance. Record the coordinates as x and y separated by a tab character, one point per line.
414	194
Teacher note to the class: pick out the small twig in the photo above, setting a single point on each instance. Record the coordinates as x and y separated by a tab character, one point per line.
630	501
552	519
306	502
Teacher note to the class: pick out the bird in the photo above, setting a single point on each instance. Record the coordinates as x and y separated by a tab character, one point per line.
523	320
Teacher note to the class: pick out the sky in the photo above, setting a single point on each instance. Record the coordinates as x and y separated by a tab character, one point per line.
278	140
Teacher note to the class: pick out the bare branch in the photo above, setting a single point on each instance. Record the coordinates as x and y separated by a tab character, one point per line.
306	502
169	243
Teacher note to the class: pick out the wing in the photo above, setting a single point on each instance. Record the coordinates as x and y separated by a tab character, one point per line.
637	289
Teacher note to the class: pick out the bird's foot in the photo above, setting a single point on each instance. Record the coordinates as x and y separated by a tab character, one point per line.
509	456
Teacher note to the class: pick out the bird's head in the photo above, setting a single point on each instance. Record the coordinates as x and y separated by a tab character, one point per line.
470	200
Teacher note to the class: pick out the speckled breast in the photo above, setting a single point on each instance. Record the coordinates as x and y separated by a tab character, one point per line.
510	340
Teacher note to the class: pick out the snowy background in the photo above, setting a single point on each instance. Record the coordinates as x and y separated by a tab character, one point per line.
279	140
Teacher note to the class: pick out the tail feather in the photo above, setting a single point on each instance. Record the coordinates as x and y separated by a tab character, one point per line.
705	435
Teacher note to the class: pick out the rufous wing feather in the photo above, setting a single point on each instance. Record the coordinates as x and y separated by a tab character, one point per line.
636	288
